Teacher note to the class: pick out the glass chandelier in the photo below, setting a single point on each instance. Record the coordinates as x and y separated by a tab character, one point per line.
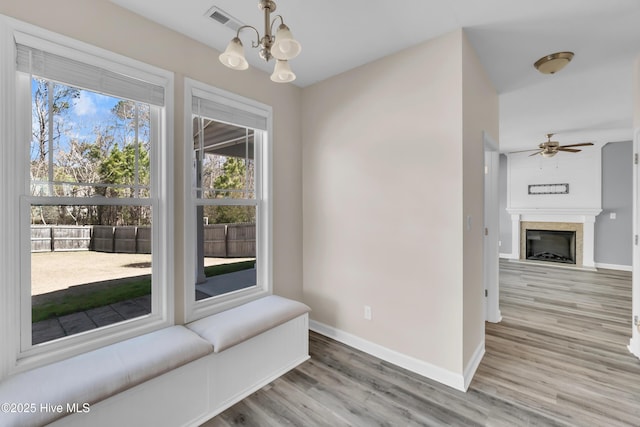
282	47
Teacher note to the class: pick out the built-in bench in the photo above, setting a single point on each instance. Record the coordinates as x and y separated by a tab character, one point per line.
177	376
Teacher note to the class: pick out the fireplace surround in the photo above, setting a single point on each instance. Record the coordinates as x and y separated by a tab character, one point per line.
575	228
582	221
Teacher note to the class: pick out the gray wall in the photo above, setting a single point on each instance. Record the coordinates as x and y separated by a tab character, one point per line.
505	218
613	237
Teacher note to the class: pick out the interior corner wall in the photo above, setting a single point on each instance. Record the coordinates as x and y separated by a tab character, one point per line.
108	26
382	202
480	115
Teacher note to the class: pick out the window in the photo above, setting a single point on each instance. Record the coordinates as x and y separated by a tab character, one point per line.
85	147
228	211
94	202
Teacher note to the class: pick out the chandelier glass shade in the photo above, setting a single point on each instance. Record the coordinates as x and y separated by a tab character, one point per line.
282	72
281	46
285	47
233	56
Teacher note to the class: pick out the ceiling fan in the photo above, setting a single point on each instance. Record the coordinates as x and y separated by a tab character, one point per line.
550	148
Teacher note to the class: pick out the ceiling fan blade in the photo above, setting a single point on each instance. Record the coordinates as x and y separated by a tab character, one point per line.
523	151
551	147
582	144
570	150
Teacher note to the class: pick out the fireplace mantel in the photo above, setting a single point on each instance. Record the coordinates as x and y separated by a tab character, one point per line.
584	216
576	212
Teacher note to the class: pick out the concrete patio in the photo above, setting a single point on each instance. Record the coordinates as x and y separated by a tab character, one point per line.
70	324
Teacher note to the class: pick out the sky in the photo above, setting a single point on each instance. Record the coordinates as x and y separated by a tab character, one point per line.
88	111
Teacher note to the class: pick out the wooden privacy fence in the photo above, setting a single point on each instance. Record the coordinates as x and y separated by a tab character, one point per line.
230	240
60	238
122	239
220	240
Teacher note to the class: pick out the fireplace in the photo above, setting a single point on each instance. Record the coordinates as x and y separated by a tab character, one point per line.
551	245
581	221
541	239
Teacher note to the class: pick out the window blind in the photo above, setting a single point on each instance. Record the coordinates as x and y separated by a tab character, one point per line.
228	113
85	76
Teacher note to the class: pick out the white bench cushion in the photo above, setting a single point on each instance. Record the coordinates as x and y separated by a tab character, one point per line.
238	324
96	375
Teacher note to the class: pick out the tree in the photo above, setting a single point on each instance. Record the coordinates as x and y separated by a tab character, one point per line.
129	167
50	101
83	166
42	110
131	123
234	176
125	161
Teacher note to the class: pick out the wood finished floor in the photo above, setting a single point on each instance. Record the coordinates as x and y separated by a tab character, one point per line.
558	358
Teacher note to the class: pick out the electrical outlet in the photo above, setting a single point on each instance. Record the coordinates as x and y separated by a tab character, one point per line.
367	312
635	320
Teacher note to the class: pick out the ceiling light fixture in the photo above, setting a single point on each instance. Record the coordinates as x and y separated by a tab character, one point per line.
282	46
553	63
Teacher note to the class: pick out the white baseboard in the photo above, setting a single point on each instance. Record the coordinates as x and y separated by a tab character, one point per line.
507	256
473	364
614	266
634	347
436	373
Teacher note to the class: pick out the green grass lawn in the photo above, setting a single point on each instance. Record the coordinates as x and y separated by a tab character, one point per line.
81	300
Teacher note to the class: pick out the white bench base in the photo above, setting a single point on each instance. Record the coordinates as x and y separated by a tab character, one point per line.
199	390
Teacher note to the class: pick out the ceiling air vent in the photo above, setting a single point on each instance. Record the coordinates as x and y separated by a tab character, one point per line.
224	18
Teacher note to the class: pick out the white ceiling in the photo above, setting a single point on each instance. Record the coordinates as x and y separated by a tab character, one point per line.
590	100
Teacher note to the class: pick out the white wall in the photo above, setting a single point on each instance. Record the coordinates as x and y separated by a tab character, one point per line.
384	206
582	171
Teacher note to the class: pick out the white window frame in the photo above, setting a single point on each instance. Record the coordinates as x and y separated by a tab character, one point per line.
263	154
19	354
